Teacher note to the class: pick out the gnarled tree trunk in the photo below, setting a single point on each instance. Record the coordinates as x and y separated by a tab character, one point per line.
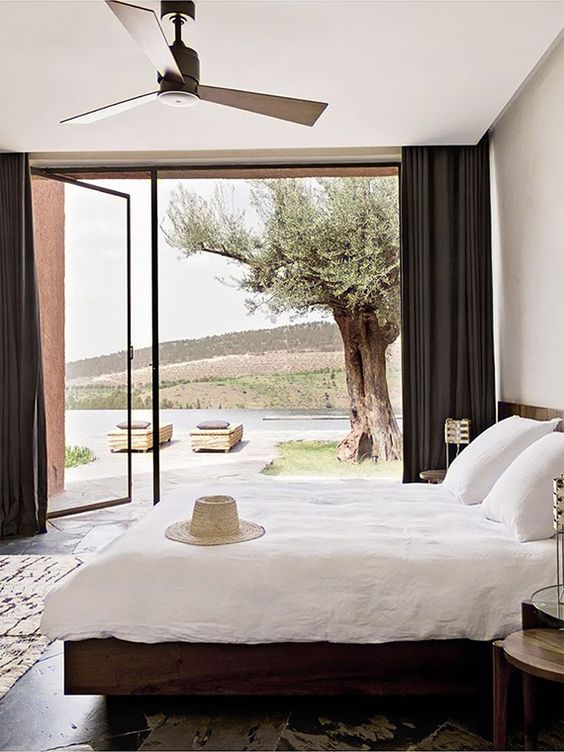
374	429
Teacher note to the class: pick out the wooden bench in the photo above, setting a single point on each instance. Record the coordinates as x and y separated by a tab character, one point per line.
216	439
141	438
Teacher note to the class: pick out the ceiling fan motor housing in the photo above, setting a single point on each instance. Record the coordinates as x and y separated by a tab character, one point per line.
189	63
186	9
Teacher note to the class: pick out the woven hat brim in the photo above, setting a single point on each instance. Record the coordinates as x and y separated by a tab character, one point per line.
180	531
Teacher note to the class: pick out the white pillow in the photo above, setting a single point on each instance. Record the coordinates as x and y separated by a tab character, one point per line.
522	497
473	473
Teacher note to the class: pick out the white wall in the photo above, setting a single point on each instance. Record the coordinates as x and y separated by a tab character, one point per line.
528	235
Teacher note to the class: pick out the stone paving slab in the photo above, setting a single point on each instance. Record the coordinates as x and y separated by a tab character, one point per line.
105	478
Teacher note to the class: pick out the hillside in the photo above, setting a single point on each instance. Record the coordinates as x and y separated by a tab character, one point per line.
293	367
312	337
221	366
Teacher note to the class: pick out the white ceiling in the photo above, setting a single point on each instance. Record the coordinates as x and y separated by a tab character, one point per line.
393	72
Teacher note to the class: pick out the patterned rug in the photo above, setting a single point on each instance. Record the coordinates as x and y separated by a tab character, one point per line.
24	581
451	736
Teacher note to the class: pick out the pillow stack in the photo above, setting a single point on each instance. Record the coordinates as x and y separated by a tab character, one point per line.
510	468
473	473
522	497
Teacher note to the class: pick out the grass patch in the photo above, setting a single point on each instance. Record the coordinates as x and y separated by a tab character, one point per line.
77	455
318	458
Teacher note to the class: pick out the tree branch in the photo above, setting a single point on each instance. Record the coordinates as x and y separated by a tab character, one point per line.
232	255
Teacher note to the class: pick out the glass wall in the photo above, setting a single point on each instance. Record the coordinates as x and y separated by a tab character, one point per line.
265	282
252	273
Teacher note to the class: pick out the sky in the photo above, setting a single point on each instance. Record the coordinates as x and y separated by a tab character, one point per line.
193	302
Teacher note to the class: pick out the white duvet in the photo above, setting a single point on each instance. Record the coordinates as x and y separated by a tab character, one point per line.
379	563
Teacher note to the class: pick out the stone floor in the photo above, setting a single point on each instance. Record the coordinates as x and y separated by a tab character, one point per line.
36	716
106	477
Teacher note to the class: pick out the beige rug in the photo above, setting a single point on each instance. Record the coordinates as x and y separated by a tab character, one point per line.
451	736
24	581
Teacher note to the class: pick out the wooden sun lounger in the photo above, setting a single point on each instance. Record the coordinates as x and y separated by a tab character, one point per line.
141	438
216	439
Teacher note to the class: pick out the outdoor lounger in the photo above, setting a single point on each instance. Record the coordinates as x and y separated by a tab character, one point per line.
141	438
216	439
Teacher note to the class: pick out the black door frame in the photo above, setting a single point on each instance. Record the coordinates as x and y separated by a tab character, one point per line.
151	172
53	175
155	344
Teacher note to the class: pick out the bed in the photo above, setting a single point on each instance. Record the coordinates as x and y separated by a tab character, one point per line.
396	589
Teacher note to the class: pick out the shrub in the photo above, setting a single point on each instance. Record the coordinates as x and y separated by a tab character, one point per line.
77	455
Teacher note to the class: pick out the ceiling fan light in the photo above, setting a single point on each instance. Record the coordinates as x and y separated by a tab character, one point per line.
178	98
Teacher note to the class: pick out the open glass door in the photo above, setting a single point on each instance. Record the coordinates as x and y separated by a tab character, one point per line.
89	339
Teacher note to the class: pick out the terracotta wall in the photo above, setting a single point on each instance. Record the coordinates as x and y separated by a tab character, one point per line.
49	230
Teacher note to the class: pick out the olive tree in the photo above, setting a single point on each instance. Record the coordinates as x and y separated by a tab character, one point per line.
329	244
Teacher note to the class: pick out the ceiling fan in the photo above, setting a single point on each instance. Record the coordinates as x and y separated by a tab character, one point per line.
178	69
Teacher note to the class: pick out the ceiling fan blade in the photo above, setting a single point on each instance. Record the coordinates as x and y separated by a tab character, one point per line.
142	24
111	109
301	111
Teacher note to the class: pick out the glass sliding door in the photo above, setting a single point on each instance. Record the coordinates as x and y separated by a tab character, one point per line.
95	347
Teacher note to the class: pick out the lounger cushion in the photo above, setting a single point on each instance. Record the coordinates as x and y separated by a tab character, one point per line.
134	424
213	425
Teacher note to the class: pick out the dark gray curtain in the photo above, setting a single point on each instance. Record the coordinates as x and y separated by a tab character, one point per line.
23	458
447	309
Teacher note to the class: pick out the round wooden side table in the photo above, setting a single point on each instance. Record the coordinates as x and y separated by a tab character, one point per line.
551	607
537	654
432	476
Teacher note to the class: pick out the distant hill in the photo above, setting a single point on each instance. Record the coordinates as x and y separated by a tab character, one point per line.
317	336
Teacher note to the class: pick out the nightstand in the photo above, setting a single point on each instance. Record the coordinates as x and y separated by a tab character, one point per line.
537	654
432	476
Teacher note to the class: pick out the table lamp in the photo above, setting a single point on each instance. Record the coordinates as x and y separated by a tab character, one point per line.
558	509
457	432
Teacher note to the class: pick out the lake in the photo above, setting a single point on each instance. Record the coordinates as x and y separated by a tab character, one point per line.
96	421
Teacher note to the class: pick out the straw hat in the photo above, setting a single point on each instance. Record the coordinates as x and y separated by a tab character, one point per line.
215	521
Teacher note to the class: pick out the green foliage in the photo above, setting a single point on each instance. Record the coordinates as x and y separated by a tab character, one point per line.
305	390
318	458
308	389
330	243
78	455
93	397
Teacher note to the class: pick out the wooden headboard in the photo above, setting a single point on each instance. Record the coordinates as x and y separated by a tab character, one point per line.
507	409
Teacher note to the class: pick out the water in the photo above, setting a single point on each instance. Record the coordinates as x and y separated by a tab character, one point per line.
94	421
100	421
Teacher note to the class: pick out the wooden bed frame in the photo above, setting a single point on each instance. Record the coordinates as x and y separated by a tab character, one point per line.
507	409
116	667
